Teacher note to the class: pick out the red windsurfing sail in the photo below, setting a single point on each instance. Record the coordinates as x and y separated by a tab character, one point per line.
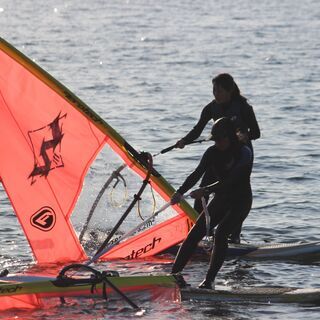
159	238
26	301
46	147
49	139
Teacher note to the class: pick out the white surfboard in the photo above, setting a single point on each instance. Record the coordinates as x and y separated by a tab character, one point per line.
253	294
293	250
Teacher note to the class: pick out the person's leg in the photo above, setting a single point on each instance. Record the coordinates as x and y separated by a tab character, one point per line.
234	237
218	254
218	209
233	217
189	245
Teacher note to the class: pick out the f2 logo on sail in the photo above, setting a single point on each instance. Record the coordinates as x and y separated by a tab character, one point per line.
44	219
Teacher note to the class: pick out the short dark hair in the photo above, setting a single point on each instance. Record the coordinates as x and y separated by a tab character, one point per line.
224	127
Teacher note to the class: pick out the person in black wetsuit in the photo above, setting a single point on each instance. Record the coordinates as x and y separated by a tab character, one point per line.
229	103
229	161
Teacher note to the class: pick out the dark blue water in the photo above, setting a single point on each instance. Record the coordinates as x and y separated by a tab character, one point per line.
146	68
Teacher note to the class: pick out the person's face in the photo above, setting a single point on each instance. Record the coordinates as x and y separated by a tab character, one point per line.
221	95
222	143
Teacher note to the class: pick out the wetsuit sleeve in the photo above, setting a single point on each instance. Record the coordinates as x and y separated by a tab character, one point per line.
239	173
252	123
194	177
205	117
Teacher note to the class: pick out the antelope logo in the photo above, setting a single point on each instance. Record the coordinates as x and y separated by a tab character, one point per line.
46	145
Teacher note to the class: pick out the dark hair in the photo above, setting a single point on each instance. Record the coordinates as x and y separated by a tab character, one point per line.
226	81
224	127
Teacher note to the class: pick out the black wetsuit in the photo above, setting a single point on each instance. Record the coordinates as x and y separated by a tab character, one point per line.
242	114
228	208
238	110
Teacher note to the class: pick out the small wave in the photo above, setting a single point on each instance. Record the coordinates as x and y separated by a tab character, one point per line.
275	204
299	179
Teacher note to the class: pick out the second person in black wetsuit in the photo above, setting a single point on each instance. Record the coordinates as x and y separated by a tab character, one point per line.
228	103
229	161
